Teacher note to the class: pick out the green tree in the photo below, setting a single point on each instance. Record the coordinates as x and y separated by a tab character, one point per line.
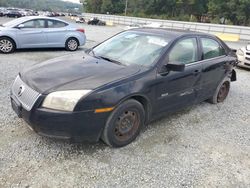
53	5
236	11
107	6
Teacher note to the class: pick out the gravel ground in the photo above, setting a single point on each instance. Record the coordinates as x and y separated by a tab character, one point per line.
202	146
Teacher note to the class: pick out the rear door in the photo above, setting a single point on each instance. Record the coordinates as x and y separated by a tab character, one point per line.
178	89
214	60
56	32
32	34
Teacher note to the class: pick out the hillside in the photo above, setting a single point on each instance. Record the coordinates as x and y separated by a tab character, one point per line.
50	5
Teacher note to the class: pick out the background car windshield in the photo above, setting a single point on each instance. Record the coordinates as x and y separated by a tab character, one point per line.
133	48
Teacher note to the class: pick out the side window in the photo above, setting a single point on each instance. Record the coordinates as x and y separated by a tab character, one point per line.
34	24
211	48
184	51
56	24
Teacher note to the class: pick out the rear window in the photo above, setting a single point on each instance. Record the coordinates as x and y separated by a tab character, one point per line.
56	24
211	48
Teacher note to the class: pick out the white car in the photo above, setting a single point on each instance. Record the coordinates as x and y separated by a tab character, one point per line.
150	25
132	26
153	25
243	55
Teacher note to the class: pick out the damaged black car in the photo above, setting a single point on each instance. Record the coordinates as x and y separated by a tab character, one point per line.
113	90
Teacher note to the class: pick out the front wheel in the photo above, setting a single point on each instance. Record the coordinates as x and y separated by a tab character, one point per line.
124	124
72	44
221	92
7	45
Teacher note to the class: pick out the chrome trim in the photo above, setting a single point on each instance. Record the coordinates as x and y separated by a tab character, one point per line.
197	62
24	94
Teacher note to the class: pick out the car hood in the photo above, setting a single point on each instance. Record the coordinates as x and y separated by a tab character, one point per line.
3	28
74	72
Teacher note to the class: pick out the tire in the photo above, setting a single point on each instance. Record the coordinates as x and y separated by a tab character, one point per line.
124	124
7	45
221	92
71	44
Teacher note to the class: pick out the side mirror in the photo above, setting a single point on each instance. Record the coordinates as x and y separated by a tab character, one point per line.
172	66
20	26
175	66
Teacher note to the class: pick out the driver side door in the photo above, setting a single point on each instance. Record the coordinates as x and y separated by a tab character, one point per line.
31	34
175	90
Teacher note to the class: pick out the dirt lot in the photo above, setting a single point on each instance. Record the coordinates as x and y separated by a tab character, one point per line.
202	146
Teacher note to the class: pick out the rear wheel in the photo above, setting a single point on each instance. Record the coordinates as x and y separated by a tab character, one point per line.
72	44
7	45
221	92
124	124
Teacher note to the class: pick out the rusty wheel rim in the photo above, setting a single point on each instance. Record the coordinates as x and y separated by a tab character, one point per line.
223	92
126	125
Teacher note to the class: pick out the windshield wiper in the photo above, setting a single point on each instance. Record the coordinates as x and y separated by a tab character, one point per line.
110	60
103	57
91	50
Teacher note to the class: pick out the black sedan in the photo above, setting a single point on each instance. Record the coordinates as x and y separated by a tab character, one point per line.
14	14
96	21
112	91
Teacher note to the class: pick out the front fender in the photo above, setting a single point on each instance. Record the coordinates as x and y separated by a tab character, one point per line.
10	35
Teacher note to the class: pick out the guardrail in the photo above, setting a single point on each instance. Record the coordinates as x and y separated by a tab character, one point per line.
241	31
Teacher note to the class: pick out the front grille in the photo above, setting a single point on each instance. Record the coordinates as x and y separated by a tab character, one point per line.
248	58
25	95
248	53
248	64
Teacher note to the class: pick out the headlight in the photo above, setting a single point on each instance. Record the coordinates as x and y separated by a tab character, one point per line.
240	52
64	100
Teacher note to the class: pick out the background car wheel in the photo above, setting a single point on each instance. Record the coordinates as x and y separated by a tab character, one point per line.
124	124
221	92
7	45
72	44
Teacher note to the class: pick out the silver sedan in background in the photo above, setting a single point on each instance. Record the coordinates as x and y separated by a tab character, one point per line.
40	32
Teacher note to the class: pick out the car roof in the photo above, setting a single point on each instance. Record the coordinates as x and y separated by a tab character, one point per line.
27	18
41	17
174	33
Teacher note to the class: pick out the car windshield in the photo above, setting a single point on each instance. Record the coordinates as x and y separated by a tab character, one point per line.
132	48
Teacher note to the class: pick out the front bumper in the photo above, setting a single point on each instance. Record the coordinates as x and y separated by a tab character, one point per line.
77	126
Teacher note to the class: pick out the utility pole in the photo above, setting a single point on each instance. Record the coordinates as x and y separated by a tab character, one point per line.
126	7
